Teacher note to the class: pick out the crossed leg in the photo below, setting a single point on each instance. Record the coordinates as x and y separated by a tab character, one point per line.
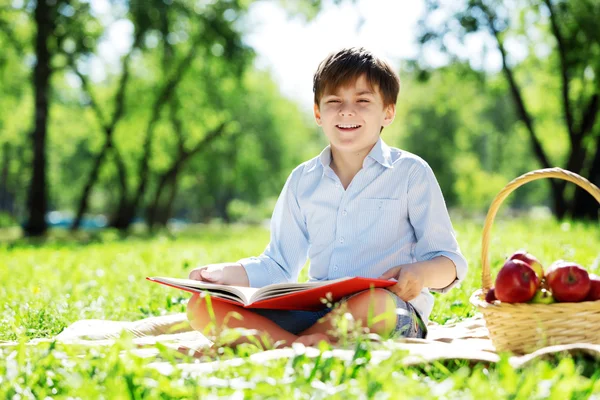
374	309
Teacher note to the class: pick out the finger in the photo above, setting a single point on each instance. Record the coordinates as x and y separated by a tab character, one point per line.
411	296
405	296
391	273
396	289
195	274
401	289
401	286
214	276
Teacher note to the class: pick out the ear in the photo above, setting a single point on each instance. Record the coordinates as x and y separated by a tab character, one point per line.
390	114
317	114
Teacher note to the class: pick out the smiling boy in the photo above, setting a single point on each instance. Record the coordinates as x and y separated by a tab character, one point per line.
360	208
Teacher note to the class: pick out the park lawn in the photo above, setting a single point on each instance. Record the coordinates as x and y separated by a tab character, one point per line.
45	287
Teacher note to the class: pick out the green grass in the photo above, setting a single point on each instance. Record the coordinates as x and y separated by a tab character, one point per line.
47	286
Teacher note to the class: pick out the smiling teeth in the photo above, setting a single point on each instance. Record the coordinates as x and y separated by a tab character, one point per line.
348	126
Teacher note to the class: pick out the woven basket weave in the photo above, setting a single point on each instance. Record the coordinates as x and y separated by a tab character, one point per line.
523	327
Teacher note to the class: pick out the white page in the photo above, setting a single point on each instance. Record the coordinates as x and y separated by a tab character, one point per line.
279	289
245	295
237	293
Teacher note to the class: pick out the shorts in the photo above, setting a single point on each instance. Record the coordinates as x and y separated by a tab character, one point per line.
408	324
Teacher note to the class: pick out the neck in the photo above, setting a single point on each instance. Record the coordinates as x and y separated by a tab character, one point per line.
347	164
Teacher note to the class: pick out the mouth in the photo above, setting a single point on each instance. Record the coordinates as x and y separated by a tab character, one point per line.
348	127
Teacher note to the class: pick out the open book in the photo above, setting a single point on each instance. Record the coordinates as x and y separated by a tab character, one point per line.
281	296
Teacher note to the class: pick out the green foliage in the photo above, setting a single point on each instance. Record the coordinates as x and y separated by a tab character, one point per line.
462	123
459	118
6	220
244	212
549	53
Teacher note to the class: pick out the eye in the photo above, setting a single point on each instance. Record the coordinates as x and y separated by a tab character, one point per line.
333	101
364	101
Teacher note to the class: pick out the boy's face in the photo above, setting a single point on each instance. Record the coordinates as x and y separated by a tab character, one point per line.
352	117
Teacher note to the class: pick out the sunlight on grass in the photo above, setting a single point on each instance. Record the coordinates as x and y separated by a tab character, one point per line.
46	287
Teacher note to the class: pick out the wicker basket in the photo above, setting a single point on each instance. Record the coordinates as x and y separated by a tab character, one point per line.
523	327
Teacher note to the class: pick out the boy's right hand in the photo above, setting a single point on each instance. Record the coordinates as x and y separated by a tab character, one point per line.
223	274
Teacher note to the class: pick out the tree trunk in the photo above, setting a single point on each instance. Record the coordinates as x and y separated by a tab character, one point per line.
155	208
87	190
37	201
168	210
19	193
165	211
4	189
119	218
124	216
584	205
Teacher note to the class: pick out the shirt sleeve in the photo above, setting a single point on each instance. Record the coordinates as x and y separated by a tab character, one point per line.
287	250
430	220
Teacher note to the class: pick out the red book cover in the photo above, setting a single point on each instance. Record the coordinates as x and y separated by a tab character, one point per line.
289	296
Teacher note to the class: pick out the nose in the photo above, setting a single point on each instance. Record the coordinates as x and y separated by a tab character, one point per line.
346	110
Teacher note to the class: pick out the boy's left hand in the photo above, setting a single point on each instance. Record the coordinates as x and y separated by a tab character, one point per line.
410	281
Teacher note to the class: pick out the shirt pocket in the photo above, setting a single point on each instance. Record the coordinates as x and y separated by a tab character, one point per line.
379	222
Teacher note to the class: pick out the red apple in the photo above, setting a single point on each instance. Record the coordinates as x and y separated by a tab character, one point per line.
490	297
594	293
516	282
530	260
569	282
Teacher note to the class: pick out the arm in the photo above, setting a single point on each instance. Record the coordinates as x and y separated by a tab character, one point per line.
440	264
437	273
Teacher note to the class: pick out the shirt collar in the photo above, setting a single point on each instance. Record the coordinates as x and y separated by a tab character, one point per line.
380	153
325	156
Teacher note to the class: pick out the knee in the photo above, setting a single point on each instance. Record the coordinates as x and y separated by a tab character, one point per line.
198	314
376	309
210	316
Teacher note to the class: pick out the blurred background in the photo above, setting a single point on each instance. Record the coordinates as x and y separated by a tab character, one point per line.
161	113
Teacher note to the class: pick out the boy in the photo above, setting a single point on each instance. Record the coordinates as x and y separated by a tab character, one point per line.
360	208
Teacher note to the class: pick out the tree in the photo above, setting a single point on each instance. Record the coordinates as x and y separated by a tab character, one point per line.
569	30
61	27
44	17
208	27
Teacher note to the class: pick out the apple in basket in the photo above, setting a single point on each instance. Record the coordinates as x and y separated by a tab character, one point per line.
594	293
530	260
568	281
543	296
516	282
490	296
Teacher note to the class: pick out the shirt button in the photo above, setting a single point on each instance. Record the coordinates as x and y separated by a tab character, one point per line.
335	267
341	240
344	213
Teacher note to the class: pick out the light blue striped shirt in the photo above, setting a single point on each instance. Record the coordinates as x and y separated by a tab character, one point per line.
392	213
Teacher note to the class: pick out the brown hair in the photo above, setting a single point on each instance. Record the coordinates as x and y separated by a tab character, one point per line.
347	65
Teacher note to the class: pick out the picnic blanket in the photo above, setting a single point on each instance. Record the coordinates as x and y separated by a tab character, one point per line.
464	340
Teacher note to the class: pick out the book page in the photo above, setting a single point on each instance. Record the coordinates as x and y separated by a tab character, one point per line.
235	293
279	289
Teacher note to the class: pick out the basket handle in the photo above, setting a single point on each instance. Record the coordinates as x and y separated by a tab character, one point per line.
559	173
